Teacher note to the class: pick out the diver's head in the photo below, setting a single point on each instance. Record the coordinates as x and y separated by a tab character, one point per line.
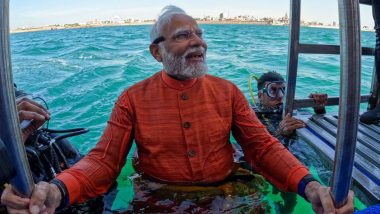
271	89
177	42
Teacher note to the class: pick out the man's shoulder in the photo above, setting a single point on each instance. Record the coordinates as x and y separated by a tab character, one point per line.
145	82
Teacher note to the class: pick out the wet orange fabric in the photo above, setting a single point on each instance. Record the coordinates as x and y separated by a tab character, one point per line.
182	132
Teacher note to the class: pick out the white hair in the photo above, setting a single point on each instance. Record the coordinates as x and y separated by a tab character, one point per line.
165	16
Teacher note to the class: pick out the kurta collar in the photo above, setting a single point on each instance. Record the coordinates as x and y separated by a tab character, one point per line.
177	84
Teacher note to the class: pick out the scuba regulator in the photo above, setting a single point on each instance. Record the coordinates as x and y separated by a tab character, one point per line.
49	153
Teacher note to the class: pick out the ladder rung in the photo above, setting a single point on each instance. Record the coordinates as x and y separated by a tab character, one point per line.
328	49
304	103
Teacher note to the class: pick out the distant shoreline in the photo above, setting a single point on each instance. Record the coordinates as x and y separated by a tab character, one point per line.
78	26
53	27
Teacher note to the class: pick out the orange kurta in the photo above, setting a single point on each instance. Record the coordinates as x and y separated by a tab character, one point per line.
182	131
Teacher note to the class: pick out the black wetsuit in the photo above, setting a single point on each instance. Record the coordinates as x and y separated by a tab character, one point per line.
271	118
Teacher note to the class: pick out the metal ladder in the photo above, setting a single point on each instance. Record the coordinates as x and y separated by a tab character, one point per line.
296	48
349	100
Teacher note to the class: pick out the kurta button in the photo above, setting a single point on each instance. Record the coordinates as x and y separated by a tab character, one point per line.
186	125
185	96
191	153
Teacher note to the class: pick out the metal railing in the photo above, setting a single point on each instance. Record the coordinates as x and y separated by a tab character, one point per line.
9	125
350	51
350	66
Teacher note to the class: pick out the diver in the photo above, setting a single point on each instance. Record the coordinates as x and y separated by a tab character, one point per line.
271	90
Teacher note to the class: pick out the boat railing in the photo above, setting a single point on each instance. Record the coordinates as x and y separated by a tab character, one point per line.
350	51
9	125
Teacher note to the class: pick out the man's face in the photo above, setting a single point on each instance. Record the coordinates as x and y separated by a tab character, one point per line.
272	94
183	52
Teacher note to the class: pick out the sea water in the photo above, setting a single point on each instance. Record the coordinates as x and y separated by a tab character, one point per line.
81	72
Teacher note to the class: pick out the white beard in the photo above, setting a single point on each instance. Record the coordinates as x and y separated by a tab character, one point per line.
176	66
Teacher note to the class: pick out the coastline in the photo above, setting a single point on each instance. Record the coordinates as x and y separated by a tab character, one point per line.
78	26
55	27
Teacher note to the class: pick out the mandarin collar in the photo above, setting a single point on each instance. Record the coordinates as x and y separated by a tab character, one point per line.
177	84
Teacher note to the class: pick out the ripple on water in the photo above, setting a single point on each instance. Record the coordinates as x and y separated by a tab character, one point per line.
81	72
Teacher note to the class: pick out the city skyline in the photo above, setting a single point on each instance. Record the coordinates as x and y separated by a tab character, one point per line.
42	12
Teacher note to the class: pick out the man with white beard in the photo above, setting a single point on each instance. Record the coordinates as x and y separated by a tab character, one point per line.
177	66
180	119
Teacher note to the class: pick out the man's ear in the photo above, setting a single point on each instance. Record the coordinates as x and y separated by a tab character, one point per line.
155	51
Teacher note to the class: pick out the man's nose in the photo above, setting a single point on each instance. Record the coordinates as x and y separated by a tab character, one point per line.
198	41
280	94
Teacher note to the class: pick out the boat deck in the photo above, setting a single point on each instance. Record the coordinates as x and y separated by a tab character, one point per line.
321	132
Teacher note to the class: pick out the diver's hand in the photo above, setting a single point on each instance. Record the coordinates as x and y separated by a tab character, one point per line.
321	101
289	124
45	199
30	110
322	202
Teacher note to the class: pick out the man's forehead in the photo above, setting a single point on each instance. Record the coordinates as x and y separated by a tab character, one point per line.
181	21
280	83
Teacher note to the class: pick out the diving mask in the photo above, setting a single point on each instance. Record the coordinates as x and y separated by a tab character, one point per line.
274	89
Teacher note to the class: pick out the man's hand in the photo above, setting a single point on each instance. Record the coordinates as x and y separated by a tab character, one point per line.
30	110
289	124
322	202
45	199
321	101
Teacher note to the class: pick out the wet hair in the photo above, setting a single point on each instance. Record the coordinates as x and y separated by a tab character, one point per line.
165	16
271	76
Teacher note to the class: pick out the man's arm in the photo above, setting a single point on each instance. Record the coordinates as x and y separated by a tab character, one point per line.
95	173
91	176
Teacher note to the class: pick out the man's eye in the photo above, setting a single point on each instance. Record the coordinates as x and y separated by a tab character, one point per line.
183	35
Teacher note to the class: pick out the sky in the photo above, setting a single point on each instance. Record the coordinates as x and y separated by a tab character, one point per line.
32	13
